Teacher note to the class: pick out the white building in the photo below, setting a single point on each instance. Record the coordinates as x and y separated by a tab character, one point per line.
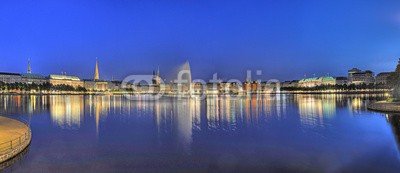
10	77
364	77
30	78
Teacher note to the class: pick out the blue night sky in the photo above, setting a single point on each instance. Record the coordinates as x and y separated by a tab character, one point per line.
284	39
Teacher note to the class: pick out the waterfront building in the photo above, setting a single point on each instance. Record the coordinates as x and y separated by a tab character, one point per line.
154	87
309	82
178	88
30	78
143	88
246	86
236	88
317	81
255	86
251	86
285	83
224	87
270	86
115	85
382	78
96	84
198	88
10	77
364	77
212	88
357	76
327	80
341	80
65	80
293	83
351	72
167	88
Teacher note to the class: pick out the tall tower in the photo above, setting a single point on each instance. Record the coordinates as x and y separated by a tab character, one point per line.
157	77
96	71
29	66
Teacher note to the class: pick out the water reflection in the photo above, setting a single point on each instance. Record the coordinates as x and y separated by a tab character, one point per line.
66	111
222	112
183	115
313	109
254	127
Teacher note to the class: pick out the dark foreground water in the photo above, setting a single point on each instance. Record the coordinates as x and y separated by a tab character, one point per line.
272	133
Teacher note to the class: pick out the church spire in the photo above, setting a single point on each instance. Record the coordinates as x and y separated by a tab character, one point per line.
96	71
29	66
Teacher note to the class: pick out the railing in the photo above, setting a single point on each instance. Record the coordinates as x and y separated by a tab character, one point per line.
9	146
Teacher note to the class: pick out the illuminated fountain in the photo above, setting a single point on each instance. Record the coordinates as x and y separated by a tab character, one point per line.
184	80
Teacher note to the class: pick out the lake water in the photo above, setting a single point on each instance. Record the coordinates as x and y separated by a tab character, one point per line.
268	133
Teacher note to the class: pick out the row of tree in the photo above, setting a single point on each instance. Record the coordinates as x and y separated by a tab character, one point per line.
39	87
351	87
394	81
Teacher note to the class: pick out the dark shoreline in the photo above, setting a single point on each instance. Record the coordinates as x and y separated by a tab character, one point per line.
385	107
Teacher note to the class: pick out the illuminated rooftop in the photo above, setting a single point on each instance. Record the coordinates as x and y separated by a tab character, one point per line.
32	76
64	77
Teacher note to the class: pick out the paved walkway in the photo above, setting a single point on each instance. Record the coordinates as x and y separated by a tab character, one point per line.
11	129
19	134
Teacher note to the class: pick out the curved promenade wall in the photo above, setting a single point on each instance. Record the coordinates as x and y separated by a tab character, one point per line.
15	137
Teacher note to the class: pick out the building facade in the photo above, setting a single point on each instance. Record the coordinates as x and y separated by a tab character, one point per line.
358	77
251	86
317	81
246	86
327	80
115	85
365	77
382	78
341	80
351	72
10	77
293	83
309	82
30	78
96	85
65	80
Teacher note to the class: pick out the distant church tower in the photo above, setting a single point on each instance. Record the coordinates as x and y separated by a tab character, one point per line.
157	77
29	66
96	71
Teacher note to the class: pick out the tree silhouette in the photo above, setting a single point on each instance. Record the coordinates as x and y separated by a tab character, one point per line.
394	81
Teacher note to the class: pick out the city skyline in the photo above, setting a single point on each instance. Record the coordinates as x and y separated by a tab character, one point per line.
255	75
199	86
134	37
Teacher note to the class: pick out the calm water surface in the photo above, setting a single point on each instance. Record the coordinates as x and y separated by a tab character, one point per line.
271	133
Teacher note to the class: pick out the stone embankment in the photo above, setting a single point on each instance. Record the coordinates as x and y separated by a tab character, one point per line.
385	106
15	137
